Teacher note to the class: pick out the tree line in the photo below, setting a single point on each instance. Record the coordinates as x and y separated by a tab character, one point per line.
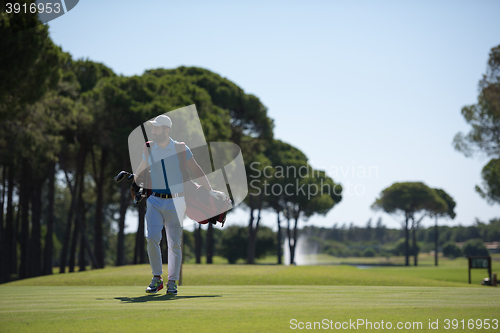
349	240
63	136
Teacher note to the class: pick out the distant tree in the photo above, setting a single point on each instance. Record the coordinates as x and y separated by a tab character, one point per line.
197	243
408	200
139	251
368	234
283	157
210	244
234	243
369	253
400	248
475	247
493	230
484	117
491	181
304	203
255	200
451	250
380	230
32	58
187	245
437	211
248	115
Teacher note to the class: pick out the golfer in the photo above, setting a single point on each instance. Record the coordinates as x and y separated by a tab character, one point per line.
166	205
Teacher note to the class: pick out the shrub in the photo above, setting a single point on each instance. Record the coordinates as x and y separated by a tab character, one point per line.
400	248
369	253
451	250
233	245
355	253
475	247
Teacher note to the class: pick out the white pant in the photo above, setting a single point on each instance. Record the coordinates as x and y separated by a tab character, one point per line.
168	212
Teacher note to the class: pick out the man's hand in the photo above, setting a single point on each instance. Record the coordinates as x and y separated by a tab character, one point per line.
134	189
218	195
137	193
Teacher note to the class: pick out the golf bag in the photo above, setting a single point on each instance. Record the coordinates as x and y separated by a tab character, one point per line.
200	205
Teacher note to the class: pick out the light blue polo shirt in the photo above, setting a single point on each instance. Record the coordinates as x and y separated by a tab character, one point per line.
166	174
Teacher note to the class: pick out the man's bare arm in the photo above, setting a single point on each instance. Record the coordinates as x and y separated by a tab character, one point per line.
140	172
197	173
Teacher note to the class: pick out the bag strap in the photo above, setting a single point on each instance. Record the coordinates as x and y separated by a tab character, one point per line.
147	149
148	144
180	147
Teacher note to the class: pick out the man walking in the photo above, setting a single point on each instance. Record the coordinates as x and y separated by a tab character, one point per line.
166	206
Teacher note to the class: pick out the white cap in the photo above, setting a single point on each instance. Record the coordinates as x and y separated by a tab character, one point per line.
161	121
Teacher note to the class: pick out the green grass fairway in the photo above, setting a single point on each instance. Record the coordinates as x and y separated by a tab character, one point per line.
450	273
244	275
249	298
235	308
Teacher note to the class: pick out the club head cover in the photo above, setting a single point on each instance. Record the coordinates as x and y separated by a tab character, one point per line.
120	176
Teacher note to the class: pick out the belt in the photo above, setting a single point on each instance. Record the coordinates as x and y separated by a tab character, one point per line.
168	196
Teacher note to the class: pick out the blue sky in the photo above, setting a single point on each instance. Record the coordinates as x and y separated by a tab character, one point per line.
353	84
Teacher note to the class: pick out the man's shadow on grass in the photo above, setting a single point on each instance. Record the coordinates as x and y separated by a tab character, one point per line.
158	297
